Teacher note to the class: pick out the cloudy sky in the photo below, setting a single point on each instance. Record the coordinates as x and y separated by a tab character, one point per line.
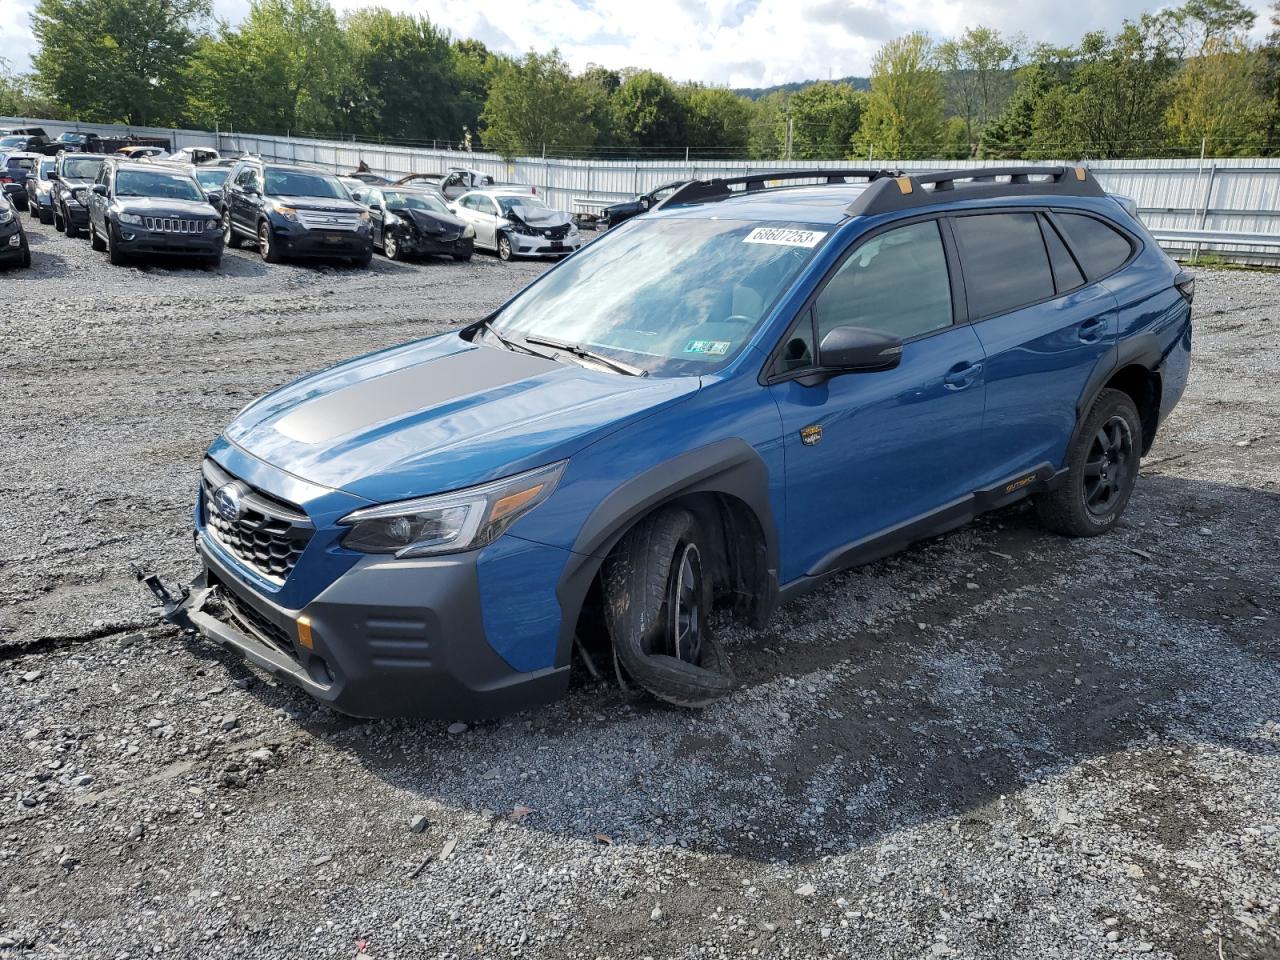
741	43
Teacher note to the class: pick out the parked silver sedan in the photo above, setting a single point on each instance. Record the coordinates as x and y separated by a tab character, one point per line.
514	223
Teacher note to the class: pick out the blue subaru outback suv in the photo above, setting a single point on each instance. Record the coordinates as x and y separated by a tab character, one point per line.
762	382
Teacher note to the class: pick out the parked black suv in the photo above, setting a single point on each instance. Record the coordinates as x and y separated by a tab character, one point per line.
24	140
140	208
75	175
294	211
13	239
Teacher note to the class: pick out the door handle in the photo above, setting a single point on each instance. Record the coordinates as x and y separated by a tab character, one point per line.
962	375
1091	330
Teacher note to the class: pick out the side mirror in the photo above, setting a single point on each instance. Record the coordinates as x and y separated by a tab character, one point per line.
847	349
100	189
213	196
644	203
357	195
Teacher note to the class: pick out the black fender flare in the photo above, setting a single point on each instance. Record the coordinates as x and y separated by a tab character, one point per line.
730	466
1143	350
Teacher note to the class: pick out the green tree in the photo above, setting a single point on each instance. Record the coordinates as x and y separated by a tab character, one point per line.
474	68
1121	91
717	121
766	131
116	60
1194	27
1215	102
19	97
535	103
1266	81
1009	134
824	119
903	118
977	64
648	112
403	73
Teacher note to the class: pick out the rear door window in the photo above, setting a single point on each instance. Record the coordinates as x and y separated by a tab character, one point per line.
1099	248
1004	260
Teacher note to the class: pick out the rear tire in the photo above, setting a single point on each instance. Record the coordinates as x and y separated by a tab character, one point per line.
657	603
72	230
1102	469
46	216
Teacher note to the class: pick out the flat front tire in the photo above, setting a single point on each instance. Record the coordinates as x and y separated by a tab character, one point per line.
1102	469
657	599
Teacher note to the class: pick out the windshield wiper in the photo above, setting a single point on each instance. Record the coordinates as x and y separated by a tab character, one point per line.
489	328
580	351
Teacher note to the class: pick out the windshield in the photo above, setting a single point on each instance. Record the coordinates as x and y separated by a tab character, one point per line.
292	183
13	141
80	169
73	138
212	179
676	297
413	201
509	203
168	186
47	167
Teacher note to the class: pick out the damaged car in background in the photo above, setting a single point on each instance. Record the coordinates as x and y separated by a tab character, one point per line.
513	223
617	213
409	221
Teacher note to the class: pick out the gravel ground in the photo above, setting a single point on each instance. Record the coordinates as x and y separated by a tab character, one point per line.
996	744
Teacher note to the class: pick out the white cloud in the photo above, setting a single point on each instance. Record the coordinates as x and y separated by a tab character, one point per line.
733	42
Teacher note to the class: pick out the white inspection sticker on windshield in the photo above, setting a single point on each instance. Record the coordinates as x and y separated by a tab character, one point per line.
784	236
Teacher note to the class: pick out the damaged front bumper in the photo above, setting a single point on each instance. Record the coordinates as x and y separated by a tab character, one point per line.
384	640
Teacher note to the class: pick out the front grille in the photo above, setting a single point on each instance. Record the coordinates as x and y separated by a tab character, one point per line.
556	233
173	225
328	220
268	535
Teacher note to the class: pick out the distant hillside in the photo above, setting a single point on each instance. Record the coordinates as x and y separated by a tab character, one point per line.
755	93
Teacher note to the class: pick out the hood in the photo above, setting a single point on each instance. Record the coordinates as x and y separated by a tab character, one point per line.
438	415
328	204
431	223
624	209
165	207
540	216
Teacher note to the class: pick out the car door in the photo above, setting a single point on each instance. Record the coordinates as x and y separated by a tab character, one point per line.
373	199
1045	331
875	456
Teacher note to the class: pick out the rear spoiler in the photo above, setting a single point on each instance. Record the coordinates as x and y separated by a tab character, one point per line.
1128	203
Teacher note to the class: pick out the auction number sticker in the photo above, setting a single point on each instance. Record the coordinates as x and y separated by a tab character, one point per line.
715	348
784	236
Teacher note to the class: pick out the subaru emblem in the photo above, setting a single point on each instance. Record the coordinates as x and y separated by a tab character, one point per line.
226	500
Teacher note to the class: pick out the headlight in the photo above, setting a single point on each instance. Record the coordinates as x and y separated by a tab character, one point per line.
80	196
450	522
212	225
289	213
6	211
132	218
391	221
468	232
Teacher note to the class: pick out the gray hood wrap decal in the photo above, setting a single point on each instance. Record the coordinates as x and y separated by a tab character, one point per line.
408	391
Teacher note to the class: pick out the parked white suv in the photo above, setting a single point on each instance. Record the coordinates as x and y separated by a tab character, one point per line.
514	223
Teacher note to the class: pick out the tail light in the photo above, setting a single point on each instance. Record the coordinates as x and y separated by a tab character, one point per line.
6	179
1186	284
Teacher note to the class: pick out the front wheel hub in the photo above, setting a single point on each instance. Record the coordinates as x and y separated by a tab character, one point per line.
684	604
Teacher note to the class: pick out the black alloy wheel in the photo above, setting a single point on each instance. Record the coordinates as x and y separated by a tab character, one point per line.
1108	468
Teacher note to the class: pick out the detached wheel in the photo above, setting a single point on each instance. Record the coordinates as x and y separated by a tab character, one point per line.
658	597
266	245
504	247
229	236
1102	468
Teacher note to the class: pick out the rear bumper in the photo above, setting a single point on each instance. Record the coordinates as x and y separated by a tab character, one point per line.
17	192
387	639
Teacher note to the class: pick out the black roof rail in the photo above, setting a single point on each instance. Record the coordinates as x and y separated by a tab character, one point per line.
976	183
721	188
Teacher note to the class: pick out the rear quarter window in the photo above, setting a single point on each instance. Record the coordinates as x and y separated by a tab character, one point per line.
1100	248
